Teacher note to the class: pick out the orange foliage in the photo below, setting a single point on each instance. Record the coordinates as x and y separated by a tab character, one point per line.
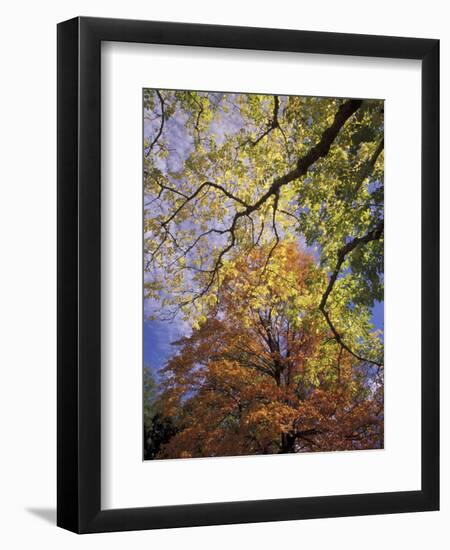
262	374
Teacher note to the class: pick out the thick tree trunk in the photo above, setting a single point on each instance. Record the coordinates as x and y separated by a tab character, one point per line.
287	444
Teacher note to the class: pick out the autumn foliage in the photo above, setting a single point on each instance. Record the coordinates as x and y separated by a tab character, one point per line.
261	375
264	242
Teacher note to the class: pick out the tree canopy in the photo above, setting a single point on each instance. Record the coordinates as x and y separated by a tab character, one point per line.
263	231
257	377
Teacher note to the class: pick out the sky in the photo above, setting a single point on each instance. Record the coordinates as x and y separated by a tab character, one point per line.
160	335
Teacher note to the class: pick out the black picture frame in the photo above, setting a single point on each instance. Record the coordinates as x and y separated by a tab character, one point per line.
79	281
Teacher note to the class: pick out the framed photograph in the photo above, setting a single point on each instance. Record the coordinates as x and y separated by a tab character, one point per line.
248	259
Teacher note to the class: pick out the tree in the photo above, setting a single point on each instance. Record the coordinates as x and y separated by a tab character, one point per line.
225	173
264	229
158	429
149	408
261	374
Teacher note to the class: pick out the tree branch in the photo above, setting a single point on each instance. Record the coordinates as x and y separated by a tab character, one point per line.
321	149
273	124
373	235
196	192
158	135
369	165
304	163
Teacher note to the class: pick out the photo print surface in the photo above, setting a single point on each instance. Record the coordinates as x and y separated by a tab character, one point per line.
263	315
